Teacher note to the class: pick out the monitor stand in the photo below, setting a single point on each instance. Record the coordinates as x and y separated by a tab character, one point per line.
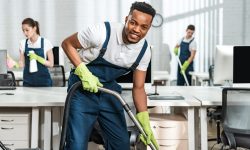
155	93
156	83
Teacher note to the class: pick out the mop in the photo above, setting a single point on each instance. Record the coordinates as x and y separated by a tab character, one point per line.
183	72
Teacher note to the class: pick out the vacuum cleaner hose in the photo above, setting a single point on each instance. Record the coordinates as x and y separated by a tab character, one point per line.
78	85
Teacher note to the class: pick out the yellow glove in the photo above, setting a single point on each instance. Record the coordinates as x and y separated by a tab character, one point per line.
143	118
176	50
89	81
16	65
36	57
185	66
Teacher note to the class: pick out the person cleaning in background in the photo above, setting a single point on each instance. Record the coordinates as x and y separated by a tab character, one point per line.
42	54
187	47
100	54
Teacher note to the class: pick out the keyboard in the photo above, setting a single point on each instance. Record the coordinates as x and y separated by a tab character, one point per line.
170	97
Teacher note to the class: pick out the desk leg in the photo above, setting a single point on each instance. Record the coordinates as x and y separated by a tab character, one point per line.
203	121
34	127
47	128
191	129
56	127
192	80
197	127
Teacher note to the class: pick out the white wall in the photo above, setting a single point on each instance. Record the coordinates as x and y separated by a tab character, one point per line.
217	22
58	18
236	22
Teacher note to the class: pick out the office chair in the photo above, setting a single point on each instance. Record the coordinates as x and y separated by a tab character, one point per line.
8	80
235	117
58	76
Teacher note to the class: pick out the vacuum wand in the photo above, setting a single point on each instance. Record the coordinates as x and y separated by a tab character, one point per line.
129	112
183	72
78	85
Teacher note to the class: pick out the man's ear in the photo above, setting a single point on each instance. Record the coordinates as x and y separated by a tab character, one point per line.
126	19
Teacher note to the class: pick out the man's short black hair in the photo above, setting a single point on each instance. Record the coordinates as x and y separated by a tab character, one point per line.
191	27
143	7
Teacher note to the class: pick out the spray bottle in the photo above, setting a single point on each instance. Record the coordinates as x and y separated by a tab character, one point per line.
33	64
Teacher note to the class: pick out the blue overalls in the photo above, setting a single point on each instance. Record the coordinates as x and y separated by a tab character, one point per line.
87	107
41	78
184	55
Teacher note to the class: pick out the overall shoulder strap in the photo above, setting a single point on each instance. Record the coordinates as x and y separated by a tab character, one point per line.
26	44
42	42
138	59
105	44
191	41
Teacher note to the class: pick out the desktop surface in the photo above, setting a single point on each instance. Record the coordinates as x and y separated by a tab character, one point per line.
129	86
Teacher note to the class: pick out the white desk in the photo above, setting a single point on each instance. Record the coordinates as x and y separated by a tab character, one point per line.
36	98
209	96
189	102
50	97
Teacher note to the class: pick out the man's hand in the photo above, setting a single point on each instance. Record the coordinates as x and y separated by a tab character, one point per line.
36	57
184	66
176	50
143	118
89	81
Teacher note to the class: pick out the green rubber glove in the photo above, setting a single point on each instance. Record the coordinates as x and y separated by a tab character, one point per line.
143	118
89	81
36	57
16	65
185	66
176	50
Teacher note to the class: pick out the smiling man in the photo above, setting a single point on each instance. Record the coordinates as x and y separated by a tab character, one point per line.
100	54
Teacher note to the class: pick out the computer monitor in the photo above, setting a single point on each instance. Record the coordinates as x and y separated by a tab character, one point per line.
126	81
3	61
223	65
241	74
56	55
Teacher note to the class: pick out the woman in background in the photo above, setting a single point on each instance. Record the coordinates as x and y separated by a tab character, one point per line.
42	54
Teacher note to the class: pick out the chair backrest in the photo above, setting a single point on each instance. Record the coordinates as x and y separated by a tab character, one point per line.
8	79
58	76
235	113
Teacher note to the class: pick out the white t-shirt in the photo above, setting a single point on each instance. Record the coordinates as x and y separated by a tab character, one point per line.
118	53
47	45
192	45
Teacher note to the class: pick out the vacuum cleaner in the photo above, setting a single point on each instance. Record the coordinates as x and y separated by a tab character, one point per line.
126	107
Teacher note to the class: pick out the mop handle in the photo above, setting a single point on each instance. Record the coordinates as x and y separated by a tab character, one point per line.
128	110
183	72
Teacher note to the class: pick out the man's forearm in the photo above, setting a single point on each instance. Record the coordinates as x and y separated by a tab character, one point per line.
140	99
